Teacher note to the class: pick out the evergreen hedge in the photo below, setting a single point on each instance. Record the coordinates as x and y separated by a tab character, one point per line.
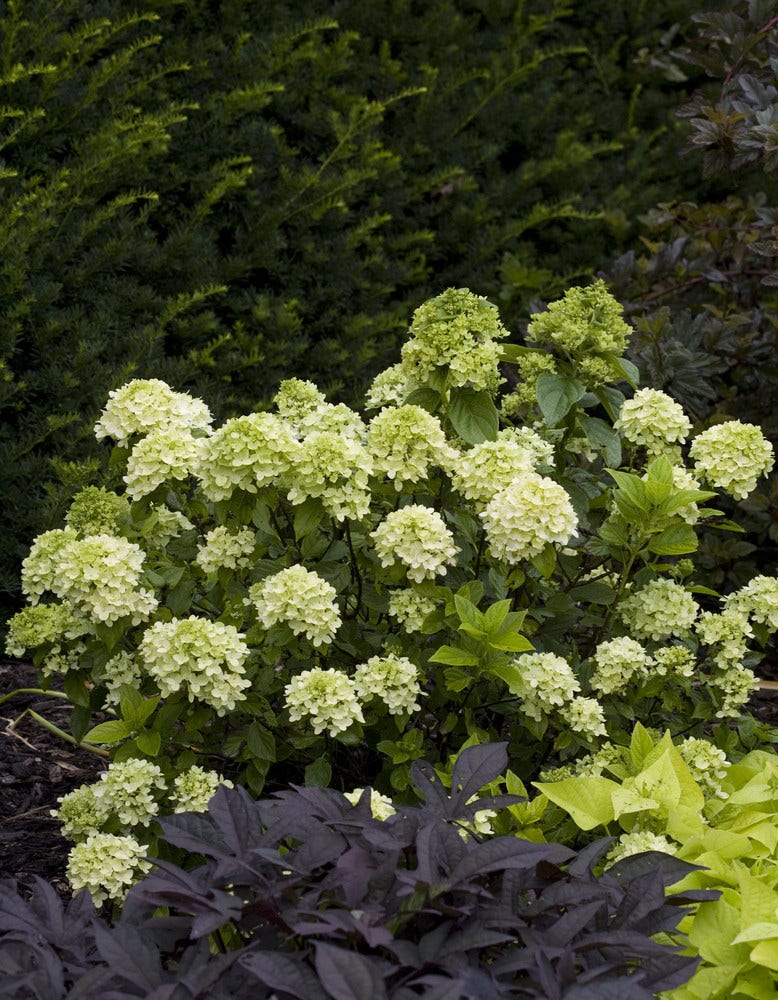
221	194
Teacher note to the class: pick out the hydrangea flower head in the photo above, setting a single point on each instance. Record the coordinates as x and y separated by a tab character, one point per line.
734	687
707	762
107	865
393	679
637	842
40	567
410	608
204	658
727	633
531	367
193	789
758	600
245	453
80	813
732	456
99	577
417	537
296	399
487	468
616	662
121	670
163	525
653	419
405	442
225	549
545	682
458	330
336	469
389	388
165	454
41	624
143	405
585	716
326	697
523	518
129	789
672	661
97	511
300	598
584	320
659	609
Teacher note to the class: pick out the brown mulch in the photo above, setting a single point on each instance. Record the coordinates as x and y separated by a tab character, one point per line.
37	768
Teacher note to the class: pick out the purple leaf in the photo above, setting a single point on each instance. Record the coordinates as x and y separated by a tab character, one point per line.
281	972
347	975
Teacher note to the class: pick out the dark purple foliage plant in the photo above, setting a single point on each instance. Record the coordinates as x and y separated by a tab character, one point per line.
303	896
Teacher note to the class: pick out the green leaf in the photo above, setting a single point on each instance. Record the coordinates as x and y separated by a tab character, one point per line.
130	700
545	561
556	395
514	352
467	611
454	657
676	539
149	742
631	487
427	399
109	732
630	372
611	399
260	743
179	599
589	801
318	774
595	592
307	517
602	436
640	745
511	642
457	679
76	689
473	415
496	614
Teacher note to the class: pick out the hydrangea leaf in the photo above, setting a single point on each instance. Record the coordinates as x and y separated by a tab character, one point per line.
473	415
589	801
556	395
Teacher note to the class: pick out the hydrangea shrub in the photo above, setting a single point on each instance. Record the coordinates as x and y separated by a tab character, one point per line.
318	595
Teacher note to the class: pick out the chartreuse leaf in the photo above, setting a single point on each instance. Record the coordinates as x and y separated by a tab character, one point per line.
640	745
149	742
716	925
589	801
453	656
109	732
628	800
676	539
766	952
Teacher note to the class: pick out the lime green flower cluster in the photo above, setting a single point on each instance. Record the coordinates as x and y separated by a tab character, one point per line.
301	599
393	679
531	366
245	453
326	697
417	537
165	454
654	420
144	405
546	685
659	609
410	608
616	664
194	788
97	511
43	625
107	865
202	657
487	468
585	321
521	519
732	456
335	468
405	442
225	549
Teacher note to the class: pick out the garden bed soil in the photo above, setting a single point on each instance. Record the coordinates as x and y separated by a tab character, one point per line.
37	768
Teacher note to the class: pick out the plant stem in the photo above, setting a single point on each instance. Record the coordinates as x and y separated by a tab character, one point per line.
59	732
13	694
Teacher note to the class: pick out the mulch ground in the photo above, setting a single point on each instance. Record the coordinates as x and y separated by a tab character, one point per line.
37	768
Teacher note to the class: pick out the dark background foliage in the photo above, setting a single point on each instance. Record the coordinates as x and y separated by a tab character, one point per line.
225	194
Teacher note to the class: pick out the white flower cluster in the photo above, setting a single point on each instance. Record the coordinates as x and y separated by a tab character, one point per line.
79	813
129	789
659	609
336	469
684	480
122	669
585	320
327	697
653	419
727	634
487	468
531	367
707	763
296	399
225	549
163	525
193	789
585	716
393	679
98	576
545	682
672	661
405	442
732	456
381	806
300	598
417	537
144	405
205	658
637	842
757	600
523	518
410	608
735	686
245	453
165	454
107	865
616	663
389	388
456	330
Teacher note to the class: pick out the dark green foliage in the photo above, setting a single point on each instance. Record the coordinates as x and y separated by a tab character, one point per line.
223	195
308	897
